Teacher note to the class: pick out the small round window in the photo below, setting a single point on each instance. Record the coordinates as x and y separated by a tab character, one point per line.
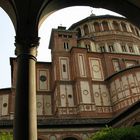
5	105
85	92
43	78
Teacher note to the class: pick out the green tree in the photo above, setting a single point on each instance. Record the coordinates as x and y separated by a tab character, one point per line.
6	136
109	133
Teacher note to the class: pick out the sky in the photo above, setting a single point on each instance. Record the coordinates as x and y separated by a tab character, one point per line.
65	17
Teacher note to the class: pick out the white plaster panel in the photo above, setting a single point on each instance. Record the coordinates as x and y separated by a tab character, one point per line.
97	47
105	95
137	84
135	80
96	93
124	80
125	86
134	90
96	69
120	95
132	84
129	64
43	85
114	99
47	105
64	72
118	84
39	104
127	92
81	63
43	79
82	44
5	104
112	89
93	47
138	76
70	96
130	78
117	47
63	95
85	91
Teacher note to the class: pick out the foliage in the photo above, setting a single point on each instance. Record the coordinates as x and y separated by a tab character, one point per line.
6	136
109	133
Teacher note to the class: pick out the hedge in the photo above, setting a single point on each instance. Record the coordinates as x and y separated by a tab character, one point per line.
109	133
6	136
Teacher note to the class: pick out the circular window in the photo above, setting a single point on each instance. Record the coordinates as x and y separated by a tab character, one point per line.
39	104
5	105
96	94
96	68
48	104
104	94
85	92
43	78
62	96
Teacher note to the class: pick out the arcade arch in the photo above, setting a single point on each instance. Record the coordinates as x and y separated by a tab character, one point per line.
70	138
7	34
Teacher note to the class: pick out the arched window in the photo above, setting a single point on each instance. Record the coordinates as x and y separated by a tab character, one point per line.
124	27
105	25
124	49
116	26
86	30
78	32
97	27
88	47
66	45
64	68
111	48
102	48
131	49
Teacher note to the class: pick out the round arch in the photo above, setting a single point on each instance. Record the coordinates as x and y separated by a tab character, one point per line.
115	6
69	138
7	48
8	8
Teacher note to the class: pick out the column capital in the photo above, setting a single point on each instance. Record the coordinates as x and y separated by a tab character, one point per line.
26	46
34	41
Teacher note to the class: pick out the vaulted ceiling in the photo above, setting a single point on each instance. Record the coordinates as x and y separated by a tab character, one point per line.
27	15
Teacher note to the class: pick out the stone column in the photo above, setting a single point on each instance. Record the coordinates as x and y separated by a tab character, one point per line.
25	121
